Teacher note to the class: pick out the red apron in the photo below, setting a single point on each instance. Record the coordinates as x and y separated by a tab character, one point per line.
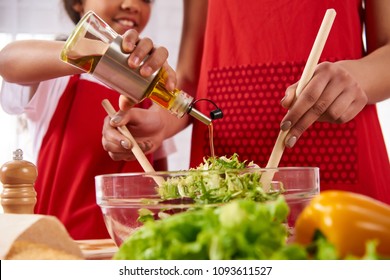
72	155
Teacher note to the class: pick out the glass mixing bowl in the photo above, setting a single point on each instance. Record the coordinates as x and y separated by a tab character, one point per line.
124	196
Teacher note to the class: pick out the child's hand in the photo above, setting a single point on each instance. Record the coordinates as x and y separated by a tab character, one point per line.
332	95
156	57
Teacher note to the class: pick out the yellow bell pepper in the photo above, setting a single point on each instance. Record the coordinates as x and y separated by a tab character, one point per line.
347	220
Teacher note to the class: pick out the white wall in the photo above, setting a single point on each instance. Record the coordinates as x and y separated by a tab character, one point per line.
47	17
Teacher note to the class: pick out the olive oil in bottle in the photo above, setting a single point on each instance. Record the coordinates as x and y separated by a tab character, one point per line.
96	48
86	63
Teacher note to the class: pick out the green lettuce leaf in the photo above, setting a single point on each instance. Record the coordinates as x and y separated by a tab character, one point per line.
241	229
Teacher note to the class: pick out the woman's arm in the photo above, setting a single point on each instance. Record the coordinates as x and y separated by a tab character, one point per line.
372	71
191	45
339	91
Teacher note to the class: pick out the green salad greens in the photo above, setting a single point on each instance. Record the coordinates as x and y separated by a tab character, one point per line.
241	229
249	222
218	180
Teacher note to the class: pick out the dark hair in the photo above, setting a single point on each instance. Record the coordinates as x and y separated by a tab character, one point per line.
68	5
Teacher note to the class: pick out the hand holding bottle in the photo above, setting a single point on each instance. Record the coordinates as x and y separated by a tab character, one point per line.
150	58
127	64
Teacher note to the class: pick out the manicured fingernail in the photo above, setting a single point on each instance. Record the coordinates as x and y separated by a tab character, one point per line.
125	144
147	71
141	145
291	142
170	86
135	60
284	97
285	125
116	119
132	47
148	145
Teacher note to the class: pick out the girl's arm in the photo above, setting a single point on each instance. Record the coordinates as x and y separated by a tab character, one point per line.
33	61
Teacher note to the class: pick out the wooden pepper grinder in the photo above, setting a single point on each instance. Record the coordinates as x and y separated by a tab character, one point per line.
18	177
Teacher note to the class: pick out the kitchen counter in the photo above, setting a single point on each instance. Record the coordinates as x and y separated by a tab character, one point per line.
97	249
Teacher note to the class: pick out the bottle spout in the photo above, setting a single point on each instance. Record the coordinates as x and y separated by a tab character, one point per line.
199	116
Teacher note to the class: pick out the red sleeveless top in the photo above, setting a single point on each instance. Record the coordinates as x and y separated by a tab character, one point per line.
72	155
253	51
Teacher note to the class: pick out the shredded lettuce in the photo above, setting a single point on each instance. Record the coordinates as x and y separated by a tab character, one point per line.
219	181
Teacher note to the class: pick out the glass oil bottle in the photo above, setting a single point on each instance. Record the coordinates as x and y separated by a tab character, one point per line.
96	48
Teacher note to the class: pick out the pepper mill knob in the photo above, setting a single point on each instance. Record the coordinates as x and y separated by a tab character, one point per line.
18	177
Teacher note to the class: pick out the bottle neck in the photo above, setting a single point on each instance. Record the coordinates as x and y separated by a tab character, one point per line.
200	116
177	102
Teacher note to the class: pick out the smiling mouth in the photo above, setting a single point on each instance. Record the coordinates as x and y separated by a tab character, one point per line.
126	23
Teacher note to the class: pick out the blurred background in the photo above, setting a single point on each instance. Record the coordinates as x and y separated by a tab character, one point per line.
45	19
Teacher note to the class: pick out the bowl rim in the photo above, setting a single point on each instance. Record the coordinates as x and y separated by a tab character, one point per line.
177	172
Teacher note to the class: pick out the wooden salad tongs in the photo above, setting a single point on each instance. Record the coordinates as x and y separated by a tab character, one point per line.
307	74
138	153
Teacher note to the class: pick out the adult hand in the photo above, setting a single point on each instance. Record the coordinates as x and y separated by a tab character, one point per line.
332	95
146	126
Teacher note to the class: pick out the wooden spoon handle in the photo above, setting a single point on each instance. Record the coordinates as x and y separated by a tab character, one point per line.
307	74
138	153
